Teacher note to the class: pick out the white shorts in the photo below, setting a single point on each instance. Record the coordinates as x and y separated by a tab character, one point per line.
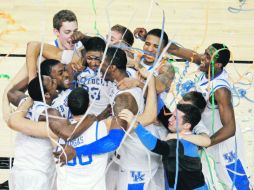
230	163
141	180
112	176
208	169
67	180
27	179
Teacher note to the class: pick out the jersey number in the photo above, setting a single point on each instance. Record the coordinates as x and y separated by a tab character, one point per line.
81	160
93	92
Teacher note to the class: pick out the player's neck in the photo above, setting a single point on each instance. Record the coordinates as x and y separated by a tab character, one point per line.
60	46
77	117
216	73
120	75
48	101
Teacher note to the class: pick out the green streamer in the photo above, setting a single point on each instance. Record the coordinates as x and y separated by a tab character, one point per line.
213	107
4	76
95	22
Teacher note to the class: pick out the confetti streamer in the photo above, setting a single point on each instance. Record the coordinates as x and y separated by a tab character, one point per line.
95	22
4	76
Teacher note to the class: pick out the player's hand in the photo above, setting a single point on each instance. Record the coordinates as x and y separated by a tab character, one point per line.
126	115
105	113
77	65
65	155
77	36
143	73
128	83
132	60
140	33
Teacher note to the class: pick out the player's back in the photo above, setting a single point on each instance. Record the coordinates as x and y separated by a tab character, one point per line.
85	172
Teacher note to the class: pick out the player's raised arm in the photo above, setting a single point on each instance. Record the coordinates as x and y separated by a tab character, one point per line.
223	99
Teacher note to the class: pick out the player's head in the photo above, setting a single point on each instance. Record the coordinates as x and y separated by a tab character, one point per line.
49	87
121	34
114	63
195	98
56	70
78	101
217	54
152	43
124	101
185	117
64	24
165	78
95	47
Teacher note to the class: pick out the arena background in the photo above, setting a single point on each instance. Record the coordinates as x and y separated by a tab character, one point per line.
194	24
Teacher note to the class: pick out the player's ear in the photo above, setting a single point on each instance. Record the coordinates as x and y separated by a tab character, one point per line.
218	65
113	67
56	32
47	95
187	126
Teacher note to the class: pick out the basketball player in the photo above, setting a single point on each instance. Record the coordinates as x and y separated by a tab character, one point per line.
184	118
226	136
65	24
224	133
224	130
110	142
34	166
91	80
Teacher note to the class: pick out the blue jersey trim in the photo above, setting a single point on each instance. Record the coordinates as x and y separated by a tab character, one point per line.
136	186
217	87
211	79
238	175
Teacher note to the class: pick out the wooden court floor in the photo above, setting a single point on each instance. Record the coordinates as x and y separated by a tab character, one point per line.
194	24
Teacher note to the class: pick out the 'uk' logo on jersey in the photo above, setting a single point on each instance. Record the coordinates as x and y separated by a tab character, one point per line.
137	176
230	156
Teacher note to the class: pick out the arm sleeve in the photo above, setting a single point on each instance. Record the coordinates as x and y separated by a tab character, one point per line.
106	144
156	145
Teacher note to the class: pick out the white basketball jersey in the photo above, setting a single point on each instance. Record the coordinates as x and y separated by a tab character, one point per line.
86	172
99	90
230	151
200	128
33	152
135	92
131	72
133	155
148	67
61	104
205	87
